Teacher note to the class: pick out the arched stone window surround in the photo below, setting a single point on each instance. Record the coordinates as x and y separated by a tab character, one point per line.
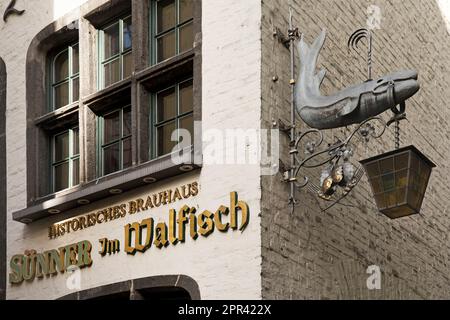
136	287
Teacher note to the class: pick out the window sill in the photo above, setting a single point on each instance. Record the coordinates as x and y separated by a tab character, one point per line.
159	74
58	117
123	181
113	94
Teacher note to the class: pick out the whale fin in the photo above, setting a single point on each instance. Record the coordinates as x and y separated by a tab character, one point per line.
318	79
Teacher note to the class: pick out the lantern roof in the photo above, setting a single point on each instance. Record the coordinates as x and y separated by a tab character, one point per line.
394	152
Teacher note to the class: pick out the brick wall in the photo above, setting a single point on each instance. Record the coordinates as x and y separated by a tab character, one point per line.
324	255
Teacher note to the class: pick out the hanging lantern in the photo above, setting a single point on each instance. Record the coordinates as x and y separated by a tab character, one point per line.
399	180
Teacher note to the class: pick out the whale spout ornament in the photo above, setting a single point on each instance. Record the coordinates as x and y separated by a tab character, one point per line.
349	106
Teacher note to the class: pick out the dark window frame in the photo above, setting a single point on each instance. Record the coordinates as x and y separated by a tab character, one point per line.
155	35
72	157
71	77
155	124
102	144
102	61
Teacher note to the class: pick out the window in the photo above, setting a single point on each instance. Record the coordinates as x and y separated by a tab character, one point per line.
116	60
115	141
125	82
64	77
172	110
65	159
172	28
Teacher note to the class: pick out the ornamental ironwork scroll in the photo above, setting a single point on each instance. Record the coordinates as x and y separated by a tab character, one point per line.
12	10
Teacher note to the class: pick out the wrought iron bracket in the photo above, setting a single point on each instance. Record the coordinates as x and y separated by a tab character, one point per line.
279	35
337	156
293	34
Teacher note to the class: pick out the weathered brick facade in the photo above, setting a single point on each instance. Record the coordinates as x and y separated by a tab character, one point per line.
324	255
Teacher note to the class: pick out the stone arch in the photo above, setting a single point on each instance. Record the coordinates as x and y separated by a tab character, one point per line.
49	38
169	286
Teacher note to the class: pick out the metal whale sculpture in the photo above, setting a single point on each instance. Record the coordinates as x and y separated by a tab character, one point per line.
352	105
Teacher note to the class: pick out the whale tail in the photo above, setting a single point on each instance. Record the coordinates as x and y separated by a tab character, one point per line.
308	78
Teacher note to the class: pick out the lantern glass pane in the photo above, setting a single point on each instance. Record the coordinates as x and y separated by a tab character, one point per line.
373	169
391	199
414	199
376	185
401	196
425	172
401	179
401	161
379	199
387	165
415	162
414	181
388	182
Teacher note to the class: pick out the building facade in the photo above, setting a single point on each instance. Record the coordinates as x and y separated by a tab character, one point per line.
96	94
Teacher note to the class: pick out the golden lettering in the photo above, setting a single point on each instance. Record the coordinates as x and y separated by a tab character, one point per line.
138	228
16	275
161	235
32	265
177	195
172	227
120	211
149	203
193	224
182	220
236	206
206	223
218	219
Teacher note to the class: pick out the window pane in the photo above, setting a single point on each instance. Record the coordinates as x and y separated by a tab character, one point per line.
167	105
186	37
76	142
166	47
61	173
61	147
188	124
126	122
186	10
127	34
166	15
111	41
61	67
75	89
61	95
186	97
112	127
75	60
76	172
127	65
111	158
127	153
165	145
112	72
